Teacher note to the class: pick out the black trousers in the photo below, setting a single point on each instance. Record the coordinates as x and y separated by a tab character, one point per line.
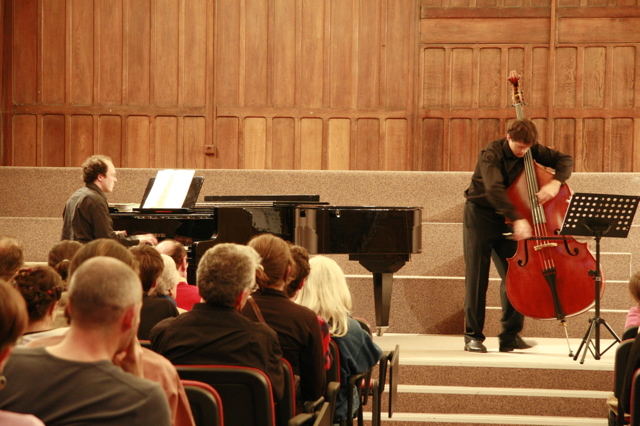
483	240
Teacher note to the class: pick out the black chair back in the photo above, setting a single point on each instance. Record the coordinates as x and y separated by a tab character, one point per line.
205	402
245	392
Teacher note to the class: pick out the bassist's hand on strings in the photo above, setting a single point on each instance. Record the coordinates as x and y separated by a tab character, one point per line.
548	191
521	230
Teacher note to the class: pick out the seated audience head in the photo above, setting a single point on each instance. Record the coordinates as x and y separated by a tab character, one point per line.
102	247
13	319
61	254
41	287
326	293
168	279
101	291
177	252
150	265
11	257
226	274
301	270
275	259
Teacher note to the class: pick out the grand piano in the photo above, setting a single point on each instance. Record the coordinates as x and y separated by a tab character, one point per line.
382	239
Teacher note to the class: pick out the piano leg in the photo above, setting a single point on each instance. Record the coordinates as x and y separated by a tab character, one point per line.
382	282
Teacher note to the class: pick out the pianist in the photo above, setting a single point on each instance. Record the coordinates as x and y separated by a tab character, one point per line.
86	213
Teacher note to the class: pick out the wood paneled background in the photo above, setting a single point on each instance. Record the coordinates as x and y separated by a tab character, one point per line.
315	84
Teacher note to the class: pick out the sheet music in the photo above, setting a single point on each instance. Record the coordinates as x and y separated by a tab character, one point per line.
169	189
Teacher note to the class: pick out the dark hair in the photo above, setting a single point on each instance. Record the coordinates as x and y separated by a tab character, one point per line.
300	257
11	257
523	130
150	263
41	287
634	286
275	259
61	254
102	247
13	315
95	166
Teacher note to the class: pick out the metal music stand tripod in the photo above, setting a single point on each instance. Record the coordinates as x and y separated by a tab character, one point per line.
598	215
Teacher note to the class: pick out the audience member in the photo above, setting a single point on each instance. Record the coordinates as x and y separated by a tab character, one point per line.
298	329
13	320
60	256
167	281
326	293
86	213
154	309
11	257
214	332
155	367
94	375
301	268
41	287
633	316
186	295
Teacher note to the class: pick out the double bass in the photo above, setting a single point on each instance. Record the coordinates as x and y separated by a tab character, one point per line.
549	276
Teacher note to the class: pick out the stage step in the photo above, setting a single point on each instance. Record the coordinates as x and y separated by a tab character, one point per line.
440	383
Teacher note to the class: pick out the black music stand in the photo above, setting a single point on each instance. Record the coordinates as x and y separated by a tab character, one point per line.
598	215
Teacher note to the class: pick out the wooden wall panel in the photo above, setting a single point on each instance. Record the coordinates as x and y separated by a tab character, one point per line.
82	136
592	145
165	51
165	146
256	49
623	78
109	52
194	63
312	53
565	77
311	133
138	142
338	155
82	52
462	79
283	52
227	56
255	143
228	144
110	137
434	93
462	153
341	56
490	93
25	52
138	53
370	35
399	53
433	146
53	52
194	138
537	92
593	82
367	145
395	146
621	147
283	141
24	131
53	138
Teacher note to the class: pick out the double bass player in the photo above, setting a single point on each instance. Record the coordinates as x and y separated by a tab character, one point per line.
486	210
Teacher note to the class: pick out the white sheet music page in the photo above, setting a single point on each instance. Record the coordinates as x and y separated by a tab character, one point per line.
169	189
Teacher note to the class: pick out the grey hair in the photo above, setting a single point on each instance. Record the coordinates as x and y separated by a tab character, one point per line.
100	291
225	271
169	277
326	293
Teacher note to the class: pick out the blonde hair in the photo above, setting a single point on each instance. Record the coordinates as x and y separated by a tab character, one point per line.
326	293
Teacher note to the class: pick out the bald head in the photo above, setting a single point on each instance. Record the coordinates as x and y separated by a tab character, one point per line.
101	290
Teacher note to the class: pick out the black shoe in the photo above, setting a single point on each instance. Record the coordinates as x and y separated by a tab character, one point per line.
475	346
517	342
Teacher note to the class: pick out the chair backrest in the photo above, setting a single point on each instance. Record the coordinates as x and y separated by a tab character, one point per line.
245	392
635	399
286	408
333	373
205	403
321	417
364	325
394	372
145	343
630	332
620	365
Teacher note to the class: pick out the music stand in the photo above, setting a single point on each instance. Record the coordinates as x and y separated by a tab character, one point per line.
598	215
